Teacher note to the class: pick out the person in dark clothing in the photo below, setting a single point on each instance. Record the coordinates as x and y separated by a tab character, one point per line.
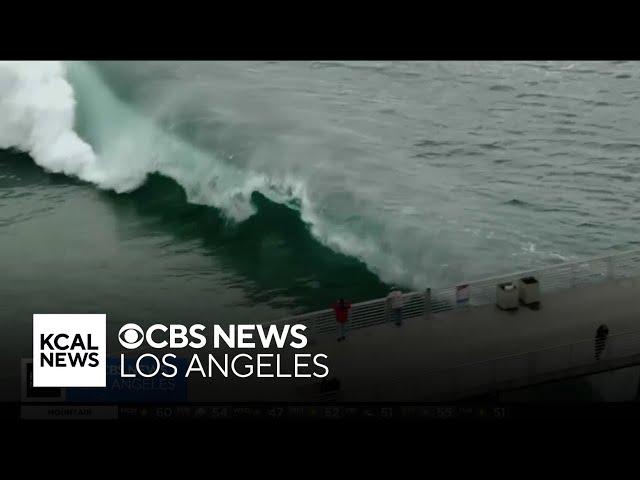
601	340
341	309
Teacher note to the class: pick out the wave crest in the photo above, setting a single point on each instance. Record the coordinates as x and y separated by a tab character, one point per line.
37	115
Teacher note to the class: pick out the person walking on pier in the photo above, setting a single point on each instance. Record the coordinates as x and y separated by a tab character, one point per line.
341	309
601	340
394	304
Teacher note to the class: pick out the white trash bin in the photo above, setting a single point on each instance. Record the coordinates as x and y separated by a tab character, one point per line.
507	296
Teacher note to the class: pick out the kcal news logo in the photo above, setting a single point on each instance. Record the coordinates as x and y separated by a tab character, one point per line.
69	350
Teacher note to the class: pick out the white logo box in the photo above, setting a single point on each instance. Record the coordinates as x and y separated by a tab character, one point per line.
85	325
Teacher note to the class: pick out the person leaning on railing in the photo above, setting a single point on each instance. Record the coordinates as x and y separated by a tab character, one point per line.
341	309
394	305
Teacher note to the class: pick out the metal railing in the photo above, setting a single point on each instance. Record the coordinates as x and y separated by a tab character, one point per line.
481	292
519	369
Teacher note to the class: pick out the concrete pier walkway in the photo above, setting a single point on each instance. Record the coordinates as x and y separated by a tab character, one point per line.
387	362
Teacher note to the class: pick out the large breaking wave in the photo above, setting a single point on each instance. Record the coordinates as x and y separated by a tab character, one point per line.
116	148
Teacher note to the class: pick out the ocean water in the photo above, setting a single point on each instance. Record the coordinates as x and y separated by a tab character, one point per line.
236	191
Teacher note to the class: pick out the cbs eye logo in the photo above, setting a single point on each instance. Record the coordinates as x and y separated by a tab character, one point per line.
131	336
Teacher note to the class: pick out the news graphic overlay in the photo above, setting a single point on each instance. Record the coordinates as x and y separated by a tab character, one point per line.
219	346
69	350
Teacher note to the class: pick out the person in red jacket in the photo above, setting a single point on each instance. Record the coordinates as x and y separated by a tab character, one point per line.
341	308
